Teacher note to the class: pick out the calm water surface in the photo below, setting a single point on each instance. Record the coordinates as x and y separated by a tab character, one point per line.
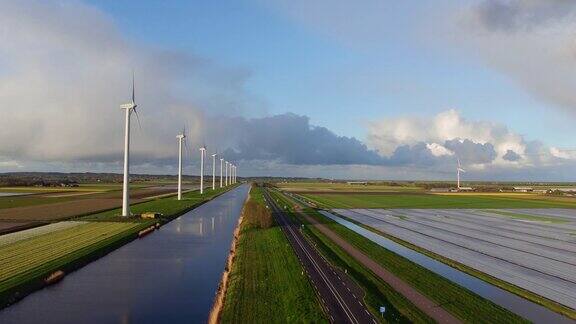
170	276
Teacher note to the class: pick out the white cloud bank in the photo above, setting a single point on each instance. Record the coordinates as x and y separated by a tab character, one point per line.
481	145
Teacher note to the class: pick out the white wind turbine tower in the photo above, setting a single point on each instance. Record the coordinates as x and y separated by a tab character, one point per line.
180	138
458	170
221	165
214	171
230	174
226	178
129	108
202	153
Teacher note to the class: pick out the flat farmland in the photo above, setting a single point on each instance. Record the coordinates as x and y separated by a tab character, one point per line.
426	200
49	207
30	256
534	249
343	187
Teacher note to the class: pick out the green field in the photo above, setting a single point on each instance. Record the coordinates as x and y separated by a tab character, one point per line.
266	282
30	258
341	186
459	301
164	205
423	200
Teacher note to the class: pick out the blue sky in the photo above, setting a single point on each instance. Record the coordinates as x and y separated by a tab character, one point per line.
295	68
373	88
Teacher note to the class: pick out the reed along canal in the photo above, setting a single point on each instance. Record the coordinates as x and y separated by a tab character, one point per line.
170	276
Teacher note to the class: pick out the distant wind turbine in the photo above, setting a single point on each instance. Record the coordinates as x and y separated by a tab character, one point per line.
129	108
214	171
231	166
180	138
226	178
458	170
202	153
221	165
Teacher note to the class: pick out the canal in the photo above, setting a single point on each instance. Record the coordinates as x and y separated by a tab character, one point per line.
170	276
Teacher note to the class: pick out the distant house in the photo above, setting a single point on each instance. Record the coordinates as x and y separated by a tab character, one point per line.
465	189
523	189
363	183
442	190
564	189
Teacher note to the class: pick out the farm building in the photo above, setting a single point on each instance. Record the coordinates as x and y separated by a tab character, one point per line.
523	189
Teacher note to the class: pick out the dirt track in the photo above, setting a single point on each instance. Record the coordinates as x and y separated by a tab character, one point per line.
422	302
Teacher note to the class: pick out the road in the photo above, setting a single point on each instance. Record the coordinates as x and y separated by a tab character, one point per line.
340	296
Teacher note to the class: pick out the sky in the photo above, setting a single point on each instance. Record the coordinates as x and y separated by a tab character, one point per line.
372	89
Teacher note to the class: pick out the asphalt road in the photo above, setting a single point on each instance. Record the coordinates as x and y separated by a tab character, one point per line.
340	296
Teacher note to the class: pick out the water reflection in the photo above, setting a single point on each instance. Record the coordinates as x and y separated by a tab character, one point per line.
170	276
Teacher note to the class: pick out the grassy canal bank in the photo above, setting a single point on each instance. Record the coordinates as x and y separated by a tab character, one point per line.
29	257
266	282
464	304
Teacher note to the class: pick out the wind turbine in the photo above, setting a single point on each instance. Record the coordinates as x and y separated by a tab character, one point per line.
202	153
221	163
128	108
458	170
214	171
230	166
226	178
180	138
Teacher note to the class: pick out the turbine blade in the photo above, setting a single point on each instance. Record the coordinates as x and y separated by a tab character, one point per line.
137	119
133	90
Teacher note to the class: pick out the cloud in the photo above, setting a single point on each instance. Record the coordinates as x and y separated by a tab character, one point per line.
65	69
289	138
445	134
531	41
511	156
436	142
471	152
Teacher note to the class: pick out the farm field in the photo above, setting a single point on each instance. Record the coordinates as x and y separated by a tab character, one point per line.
165	205
343	187
32	257
266	280
50	207
530	248
426	200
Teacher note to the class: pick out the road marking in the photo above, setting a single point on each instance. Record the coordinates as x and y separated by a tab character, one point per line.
315	265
